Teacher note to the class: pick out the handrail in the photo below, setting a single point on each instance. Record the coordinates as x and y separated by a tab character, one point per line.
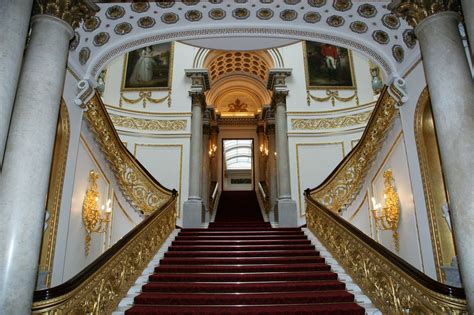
138	186
99	287
214	192
262	191
344	183
393	285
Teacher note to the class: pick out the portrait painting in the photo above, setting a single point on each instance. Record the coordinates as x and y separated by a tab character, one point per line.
328	66
148	68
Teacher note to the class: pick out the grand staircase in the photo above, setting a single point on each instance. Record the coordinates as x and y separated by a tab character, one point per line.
243	267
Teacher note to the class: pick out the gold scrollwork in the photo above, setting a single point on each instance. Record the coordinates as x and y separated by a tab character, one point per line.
342	186
415	11
333	96
103	290
144	97
389	287
331	123
143	193
148	124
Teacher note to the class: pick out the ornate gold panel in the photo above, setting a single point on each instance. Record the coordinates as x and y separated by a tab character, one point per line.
433	184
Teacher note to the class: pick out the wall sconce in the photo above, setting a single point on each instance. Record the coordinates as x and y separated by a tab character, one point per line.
212	150
95	220
264	150
388	217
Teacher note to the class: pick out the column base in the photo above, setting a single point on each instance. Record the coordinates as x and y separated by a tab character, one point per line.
192	213
287	213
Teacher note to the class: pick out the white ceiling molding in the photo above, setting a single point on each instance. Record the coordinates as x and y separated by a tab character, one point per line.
367	27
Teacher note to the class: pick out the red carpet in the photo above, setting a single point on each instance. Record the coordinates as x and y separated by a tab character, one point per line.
243	268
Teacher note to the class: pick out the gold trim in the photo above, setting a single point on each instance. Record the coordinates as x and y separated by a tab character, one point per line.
389	287
433	184
343	185
123	211
330	123
318	113
354	142
148	124
302	212
170	75
410	70
332	96
83	141
360	207
142	191
128	111
181	149
55	190
103	290
351	64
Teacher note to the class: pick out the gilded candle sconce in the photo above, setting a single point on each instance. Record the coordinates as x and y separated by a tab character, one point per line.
95	220
388	216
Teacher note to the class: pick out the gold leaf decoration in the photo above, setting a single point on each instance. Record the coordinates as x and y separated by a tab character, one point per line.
143	192
148	124
331	123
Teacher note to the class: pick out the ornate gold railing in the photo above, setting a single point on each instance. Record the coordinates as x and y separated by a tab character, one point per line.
100	286
393	285
345	182
139	188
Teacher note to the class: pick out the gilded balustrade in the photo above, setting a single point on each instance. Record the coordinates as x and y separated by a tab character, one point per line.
340	188
138	187
99	288
392	284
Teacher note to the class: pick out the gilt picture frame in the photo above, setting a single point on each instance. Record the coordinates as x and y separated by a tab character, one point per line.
149	68
328	67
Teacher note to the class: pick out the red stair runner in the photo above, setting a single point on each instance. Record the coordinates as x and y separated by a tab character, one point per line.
241	265
243	268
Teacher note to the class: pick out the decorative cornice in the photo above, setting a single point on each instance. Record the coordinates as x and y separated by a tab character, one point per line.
277	79
199	80
415	11
331	123
148	124
72	12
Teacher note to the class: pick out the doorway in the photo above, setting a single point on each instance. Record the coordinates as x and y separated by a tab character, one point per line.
238	164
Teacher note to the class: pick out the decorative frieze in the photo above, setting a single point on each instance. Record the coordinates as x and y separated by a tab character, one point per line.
148	124
330	123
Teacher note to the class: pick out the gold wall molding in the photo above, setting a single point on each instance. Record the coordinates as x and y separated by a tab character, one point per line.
298	173
145	97
391	288
143	192
101	292
330	123
148	124
343	185
55	190
363	202
340	110
332	96
415	11
433	184
127	111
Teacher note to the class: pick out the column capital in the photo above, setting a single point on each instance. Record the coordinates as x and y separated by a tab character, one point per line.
73	12
277	79
415	11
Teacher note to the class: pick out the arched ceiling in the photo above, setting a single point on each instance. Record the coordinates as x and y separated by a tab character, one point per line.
238	82
367	27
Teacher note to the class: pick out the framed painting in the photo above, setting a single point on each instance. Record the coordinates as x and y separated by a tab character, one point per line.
328	66
148	68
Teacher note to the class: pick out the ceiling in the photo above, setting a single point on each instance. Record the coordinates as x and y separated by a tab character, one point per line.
367	27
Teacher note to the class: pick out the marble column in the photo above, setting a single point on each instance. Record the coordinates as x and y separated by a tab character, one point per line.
468	13
28	155
451	90
287	210
271	173
193	207
14	23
